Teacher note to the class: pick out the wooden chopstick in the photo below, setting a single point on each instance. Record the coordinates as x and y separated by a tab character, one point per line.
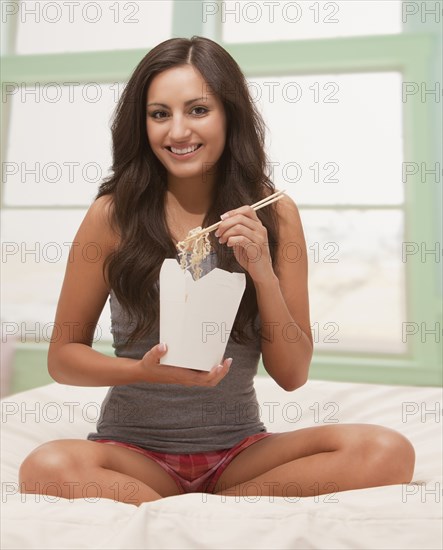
260	204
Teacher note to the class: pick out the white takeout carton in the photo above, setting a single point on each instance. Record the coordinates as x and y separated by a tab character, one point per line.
196	317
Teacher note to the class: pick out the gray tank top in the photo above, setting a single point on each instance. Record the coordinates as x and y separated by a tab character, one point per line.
172	418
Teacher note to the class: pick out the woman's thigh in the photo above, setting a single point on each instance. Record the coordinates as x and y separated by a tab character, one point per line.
361	440
77	459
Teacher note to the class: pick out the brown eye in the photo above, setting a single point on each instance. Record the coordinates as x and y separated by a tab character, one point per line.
156	113
200	109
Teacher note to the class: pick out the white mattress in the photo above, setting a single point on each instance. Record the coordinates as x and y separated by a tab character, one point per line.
398	516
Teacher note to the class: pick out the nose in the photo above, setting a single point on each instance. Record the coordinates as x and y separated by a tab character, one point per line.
179	129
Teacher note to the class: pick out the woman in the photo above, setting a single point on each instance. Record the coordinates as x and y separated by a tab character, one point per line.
188	149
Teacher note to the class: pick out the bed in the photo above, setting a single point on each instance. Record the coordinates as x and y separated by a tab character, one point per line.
399	516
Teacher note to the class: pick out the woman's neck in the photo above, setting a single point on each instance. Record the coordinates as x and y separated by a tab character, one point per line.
186	206
193	197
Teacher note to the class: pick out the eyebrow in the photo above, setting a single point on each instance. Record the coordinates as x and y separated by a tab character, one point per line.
186	102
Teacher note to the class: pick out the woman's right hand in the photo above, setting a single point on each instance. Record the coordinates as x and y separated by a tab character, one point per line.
155	373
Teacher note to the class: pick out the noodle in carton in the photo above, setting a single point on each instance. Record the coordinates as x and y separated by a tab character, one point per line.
196	316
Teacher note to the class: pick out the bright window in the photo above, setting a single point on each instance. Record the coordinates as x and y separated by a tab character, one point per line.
50	27
340	133
59	146
337	140
270	21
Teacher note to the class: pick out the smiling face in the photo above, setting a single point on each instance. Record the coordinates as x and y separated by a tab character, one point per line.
186	123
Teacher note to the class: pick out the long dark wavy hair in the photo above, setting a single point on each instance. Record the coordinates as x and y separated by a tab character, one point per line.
138	183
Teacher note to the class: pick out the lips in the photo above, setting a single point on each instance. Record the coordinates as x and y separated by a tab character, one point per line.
184	151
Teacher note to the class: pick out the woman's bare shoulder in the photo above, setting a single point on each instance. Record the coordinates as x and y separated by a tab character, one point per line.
290	226
98	222
102	208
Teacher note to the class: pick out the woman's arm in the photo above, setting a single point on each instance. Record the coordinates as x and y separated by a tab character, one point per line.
283	303
71	359
282	295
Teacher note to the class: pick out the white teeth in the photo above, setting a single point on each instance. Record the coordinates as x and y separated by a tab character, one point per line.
184	151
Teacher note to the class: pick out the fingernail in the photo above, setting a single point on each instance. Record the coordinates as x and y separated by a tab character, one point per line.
224	216
162	347
217	234
229	361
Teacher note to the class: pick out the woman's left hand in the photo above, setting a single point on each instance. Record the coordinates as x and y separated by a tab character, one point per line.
244	232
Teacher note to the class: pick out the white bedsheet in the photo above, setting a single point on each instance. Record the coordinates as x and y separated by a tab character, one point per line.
399	516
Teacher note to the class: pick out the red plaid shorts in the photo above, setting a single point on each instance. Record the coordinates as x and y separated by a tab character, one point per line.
196	472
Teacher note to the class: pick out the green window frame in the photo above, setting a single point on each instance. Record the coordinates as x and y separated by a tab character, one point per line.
417	55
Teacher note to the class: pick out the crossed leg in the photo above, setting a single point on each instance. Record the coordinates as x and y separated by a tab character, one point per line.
75	468
319	460
305	462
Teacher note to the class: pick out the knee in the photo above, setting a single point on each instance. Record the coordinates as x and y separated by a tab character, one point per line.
391	454
48	462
